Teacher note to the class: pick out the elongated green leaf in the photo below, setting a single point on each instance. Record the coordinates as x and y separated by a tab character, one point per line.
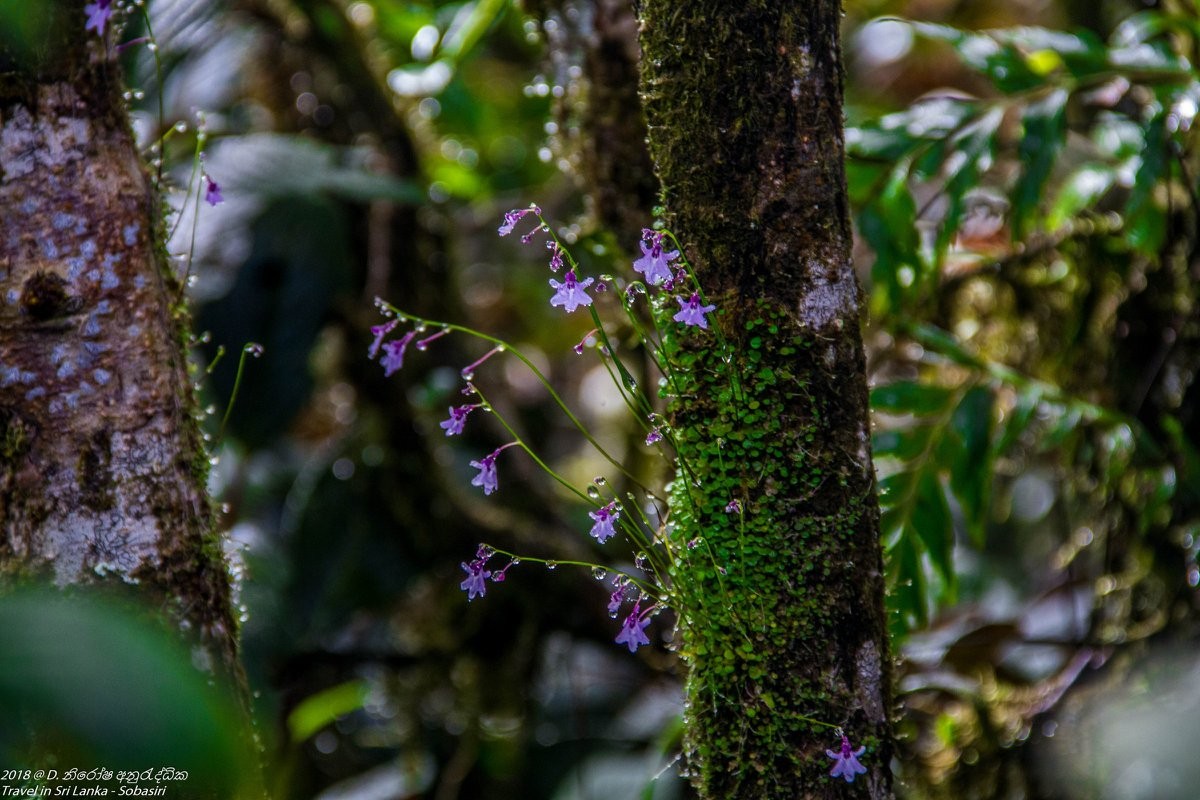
889	225
1044	131
1080	191
931	519
910	397
1145	222
323	708
971	468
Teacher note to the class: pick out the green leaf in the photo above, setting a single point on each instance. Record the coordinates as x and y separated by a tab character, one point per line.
1044	131
93	678
971	467
903	444
932	522
1145	222
889	226
1080	191
966	157
323	708
910	397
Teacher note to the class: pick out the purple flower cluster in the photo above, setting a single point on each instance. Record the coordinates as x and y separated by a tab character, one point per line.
658	272
655	267
475	584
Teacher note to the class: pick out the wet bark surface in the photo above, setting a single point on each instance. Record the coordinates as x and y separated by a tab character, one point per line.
103	471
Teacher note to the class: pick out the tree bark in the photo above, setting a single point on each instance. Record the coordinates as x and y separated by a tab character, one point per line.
103	470
744	107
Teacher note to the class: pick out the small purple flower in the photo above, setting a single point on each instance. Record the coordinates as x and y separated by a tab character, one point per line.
633	632
570	293
487	477
501	574
556	255
511	218
734	507
475	584
99	13
458	418
691	312
585	341
212	195
655	264
393	353
615	601
846	762
605	517
654	436
380	333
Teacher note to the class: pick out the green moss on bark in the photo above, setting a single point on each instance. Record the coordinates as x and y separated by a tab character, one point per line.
783	619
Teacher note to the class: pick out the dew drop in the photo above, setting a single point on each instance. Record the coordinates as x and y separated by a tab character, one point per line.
599	573
639	560
551	565
254	350
467	375
593	492
600	480
516	561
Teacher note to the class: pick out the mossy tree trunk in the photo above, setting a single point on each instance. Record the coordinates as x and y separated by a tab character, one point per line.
103	471
744	107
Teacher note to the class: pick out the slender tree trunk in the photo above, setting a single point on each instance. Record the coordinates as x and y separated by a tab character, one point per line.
103	471
744	107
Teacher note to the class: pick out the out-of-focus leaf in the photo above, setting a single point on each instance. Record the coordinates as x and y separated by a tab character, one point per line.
468	26
896	135
1018	419
272	165
1145	222
907	592
113	691
932	522
1044	130
323	708
910	397
889	225
971	470
903	444
960	160
1080	191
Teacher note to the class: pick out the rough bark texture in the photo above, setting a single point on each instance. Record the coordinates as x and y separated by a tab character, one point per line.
103	472
786	624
